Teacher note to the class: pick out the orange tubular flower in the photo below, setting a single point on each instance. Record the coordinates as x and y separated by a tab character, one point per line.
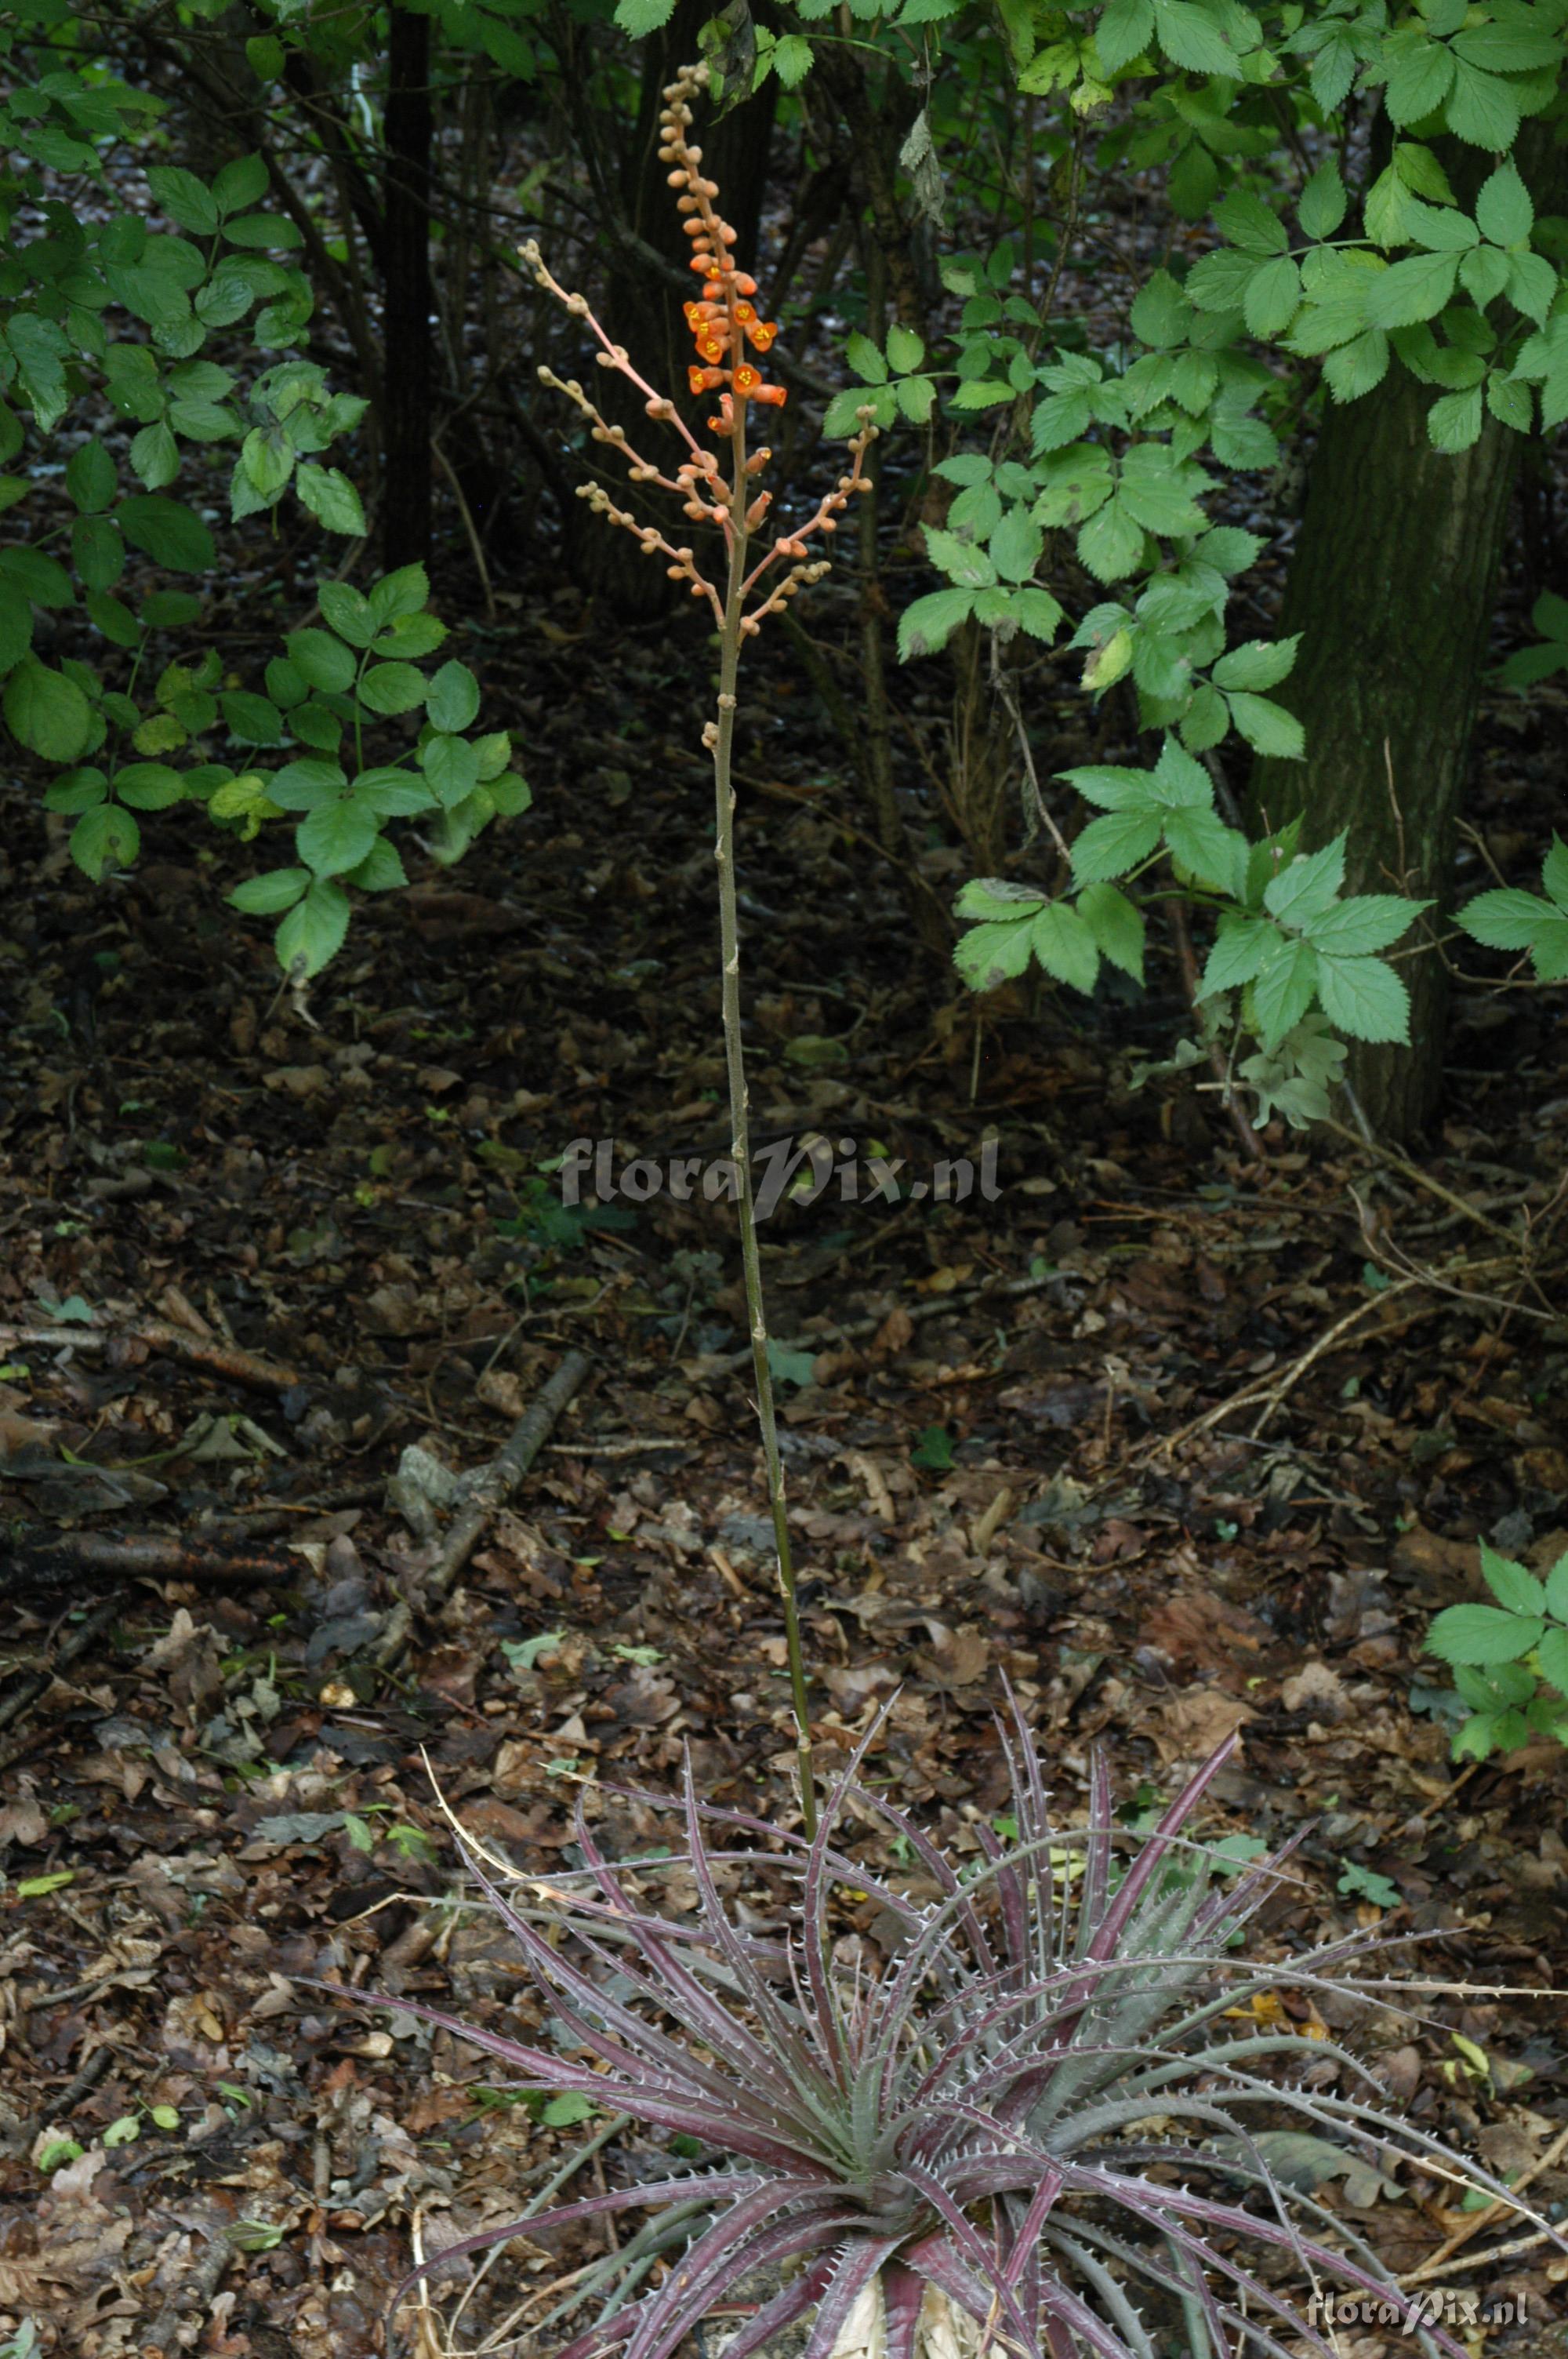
746	379
760	334
775	396
703	380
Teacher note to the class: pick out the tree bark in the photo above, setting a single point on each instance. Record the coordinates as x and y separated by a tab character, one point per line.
407	294
1392	585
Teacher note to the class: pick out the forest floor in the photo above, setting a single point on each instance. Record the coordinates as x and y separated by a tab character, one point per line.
1182	1443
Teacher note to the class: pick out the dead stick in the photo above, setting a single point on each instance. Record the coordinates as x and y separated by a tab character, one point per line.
202	1351
188	2304
1494	2211
76	1643
494	1485
847	1330
34	1568
60	2107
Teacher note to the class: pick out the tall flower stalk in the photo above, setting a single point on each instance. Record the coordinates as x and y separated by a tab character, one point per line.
731	338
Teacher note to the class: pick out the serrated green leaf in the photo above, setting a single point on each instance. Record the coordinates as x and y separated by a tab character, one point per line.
994	953
1272	298
1257	664
1110	846
1114	790
322	661
1016	546
999	897
1482	108
47	713
105	839
905	351
269	894
1482	1634
1268	728
167	533
1111	543
314	930
1064	945
1551	1655
1324	202
453	699
1454	423
306	785
1249	223
1557	1589
1510	1583
348	612
148	786
155	456
91	478
1122	30
1285	989
1420	78
930	623
1211	852
451	765
1364	925
967	566
336	837
1504	209
330	498
1508	919
1116	925
1411	290
866	360
1307	885
1243	946
1364	997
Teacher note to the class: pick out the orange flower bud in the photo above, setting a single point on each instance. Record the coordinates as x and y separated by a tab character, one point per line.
744	283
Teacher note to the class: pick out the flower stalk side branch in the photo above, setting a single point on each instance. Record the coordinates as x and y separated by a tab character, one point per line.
728	332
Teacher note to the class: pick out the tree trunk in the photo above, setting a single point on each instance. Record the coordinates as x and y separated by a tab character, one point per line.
1391	586
407	294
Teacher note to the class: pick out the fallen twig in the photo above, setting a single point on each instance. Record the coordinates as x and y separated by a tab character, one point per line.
845	1331
494	1483
1444	2257
202	1351
36	1567
185	2308
75	1644
1268	1392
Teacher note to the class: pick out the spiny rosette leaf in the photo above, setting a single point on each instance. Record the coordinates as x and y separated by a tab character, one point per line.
942	2111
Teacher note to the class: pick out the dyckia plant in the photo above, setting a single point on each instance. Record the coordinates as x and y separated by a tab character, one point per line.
1050	2109
722	491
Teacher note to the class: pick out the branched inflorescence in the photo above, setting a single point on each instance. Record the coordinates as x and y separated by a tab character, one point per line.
728	330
